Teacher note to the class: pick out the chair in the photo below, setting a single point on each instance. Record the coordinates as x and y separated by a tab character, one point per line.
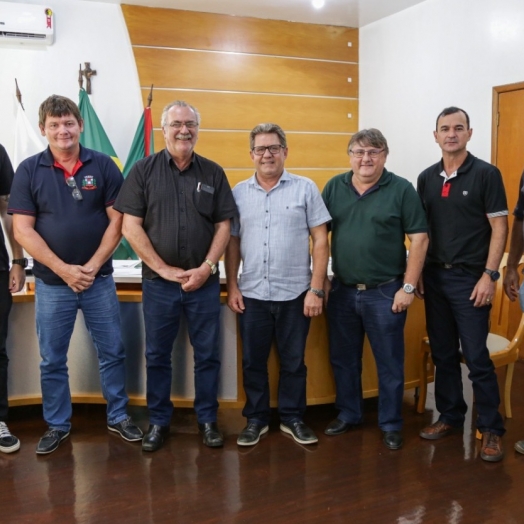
503	352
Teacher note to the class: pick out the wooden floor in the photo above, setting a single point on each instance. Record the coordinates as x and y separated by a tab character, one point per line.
95	477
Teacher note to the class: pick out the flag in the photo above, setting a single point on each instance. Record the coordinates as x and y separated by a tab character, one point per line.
93	136
143	143
27	142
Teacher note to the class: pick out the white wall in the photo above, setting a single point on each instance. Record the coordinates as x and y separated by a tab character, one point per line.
436	54
85	32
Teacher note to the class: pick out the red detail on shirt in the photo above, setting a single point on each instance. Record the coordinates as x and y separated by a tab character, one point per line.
78	165
445	190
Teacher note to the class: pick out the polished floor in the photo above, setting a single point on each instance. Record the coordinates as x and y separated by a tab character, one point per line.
95	477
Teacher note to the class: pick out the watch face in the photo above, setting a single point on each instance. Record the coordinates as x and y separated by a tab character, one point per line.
408	288
495	275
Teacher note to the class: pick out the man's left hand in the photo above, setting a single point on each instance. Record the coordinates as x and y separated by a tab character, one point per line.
196	277
312	305
483	291
16	278
402	301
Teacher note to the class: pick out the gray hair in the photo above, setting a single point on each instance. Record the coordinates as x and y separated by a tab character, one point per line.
178	103
369	137
267	128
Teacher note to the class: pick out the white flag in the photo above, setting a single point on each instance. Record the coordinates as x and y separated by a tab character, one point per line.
27	142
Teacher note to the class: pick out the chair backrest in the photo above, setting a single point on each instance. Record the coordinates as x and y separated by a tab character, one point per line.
501	305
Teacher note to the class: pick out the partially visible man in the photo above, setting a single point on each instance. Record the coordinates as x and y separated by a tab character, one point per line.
11	281
62	202
177	207
467	212
516	249
373	210
277	293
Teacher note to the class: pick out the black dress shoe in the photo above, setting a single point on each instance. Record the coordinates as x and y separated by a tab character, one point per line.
393	439
155	437
299	431
212	436
338	427
251	434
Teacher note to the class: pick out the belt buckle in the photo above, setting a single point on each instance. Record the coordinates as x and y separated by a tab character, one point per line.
361	287
448	266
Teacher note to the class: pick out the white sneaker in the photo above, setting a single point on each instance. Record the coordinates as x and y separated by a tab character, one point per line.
8	442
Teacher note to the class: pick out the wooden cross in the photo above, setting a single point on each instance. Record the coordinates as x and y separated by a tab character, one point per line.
88	73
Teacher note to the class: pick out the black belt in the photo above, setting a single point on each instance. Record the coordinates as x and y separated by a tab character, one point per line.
365	287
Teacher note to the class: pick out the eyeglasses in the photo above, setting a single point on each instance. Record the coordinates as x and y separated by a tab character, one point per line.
178	125
261	150
71	182
361	153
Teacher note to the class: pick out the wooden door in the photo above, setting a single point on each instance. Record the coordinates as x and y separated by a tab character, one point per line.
508	155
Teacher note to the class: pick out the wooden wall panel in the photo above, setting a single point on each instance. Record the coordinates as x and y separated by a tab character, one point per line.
236	110
236	72
231	149
174	28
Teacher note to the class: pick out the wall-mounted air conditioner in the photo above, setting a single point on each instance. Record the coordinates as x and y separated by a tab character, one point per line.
26	24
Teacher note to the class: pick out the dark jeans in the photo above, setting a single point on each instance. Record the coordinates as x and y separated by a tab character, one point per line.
351	315
5	307
283	321
163	303
454	325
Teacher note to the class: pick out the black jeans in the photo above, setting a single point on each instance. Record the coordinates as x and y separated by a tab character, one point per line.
5	307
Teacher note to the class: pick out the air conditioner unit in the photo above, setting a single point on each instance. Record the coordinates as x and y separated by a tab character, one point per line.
26	24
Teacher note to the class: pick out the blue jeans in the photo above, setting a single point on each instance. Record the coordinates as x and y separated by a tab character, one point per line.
455	325
56	309
283	321
5	307
352	314
163	303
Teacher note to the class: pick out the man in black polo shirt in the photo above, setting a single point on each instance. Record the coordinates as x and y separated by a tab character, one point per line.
11	281
177	206
467	212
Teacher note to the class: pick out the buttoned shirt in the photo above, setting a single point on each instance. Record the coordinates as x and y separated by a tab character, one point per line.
274	229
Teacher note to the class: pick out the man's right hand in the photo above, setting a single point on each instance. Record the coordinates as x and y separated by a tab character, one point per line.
78	278
235	301
173	274
511	283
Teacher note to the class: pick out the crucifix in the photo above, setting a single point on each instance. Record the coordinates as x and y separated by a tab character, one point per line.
88	73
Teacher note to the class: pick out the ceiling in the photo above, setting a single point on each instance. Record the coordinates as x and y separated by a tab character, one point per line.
349	13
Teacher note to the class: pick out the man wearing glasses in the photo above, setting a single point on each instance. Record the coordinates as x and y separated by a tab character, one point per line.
277	293
177	206
373	286
63	216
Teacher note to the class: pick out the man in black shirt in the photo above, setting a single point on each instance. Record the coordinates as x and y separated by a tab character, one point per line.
11	281
467	212
177	207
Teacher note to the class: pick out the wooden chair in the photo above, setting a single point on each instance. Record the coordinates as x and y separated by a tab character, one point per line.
503	352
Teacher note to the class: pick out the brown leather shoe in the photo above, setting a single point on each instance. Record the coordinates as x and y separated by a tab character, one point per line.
491	449
437	430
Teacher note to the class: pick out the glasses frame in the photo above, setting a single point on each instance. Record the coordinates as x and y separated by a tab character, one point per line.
71	182
191	124
267	148
372	153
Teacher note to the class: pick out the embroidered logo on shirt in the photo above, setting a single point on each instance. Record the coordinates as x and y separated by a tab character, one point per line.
465	193
89	183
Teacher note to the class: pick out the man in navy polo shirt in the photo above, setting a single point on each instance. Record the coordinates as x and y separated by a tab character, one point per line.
62	202
465	203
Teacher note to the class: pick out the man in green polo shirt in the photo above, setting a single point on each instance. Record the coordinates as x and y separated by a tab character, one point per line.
373	284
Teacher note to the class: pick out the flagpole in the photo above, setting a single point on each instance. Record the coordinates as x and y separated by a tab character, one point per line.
19	95
150	97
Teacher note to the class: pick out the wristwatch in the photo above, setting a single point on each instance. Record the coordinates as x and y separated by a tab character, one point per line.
493	274
408	288
320	293
20	261
211	265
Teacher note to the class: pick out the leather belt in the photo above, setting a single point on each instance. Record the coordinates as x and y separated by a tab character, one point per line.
366	287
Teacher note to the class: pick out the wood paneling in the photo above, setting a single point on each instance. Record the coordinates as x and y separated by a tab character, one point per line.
235	110
231	149
188	29
237	72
